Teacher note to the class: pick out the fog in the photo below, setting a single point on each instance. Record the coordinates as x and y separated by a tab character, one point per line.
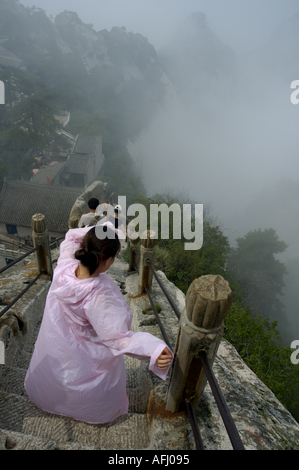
241	23
228	137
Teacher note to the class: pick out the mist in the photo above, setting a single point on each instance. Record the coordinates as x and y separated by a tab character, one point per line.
231	140
243	24
226	133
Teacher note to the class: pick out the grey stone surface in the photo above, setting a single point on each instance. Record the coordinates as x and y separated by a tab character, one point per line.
263	423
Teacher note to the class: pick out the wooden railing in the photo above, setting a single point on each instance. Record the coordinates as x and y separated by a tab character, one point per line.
201	327
42	250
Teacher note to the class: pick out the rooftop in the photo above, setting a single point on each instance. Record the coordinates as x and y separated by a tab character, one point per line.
78	164
87	144
19	200
49	171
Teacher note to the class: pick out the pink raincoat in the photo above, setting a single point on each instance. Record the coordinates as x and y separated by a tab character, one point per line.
77	368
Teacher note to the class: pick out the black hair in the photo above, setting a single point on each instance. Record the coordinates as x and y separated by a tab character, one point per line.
95	250
93	203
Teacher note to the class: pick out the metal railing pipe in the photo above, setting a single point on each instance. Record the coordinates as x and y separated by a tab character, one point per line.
222	406
56	240
19	259
173	305
194	425
20	295
158	319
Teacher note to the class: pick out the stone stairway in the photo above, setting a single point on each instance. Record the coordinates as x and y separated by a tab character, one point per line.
262	421
25	427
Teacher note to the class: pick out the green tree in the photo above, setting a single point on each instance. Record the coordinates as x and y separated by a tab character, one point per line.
33	127
259	274
14	145
37	116
211	258
258	342
89	123
65	76
16	82
183	266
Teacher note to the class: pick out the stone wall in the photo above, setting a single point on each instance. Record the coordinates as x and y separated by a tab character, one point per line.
262	421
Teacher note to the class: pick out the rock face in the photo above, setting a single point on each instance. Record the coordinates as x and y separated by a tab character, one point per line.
262	422
197	62
69	35
131	52
104	63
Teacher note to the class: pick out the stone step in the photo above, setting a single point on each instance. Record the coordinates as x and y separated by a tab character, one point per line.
23	426
21	359
10	440
36	429
19	415
12	380
20	351
138	384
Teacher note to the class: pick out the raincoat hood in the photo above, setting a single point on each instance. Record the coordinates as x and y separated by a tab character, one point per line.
66	286
71	290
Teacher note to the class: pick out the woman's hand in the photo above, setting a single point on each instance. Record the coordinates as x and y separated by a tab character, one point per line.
165	359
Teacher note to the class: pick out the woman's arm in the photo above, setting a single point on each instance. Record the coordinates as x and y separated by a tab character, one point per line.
72	242
165	359
111	319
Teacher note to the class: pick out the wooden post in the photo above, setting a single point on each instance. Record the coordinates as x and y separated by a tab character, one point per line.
208	301
73	222
133	256
40	237
147	254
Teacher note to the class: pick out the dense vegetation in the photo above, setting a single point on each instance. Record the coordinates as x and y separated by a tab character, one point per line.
54	82
258	342
256	279
27	123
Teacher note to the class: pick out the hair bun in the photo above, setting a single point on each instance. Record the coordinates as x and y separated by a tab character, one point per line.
94	250
81	254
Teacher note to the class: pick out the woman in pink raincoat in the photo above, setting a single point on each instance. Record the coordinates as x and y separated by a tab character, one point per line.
77	368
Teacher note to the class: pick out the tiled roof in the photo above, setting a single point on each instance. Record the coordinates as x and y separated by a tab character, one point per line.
49	171
20	200
77	164
87	144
